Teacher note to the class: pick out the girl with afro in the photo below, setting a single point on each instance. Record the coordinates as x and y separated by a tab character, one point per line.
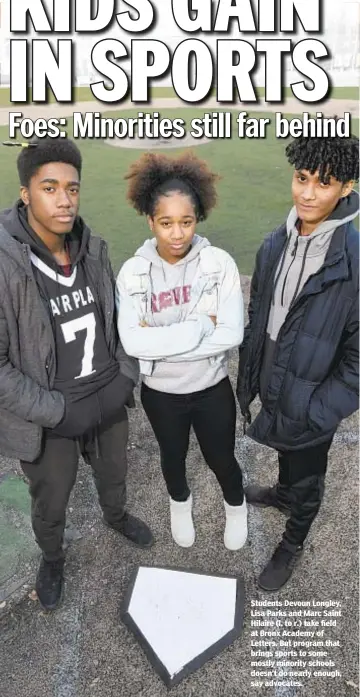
180	310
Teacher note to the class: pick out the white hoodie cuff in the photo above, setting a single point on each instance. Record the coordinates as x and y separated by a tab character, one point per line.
207	324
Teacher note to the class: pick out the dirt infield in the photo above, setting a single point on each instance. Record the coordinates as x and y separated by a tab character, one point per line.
83	649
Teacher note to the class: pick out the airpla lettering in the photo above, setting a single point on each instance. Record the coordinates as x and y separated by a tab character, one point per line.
68	303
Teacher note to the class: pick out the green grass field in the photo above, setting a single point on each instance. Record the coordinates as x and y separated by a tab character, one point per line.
254	190
84	94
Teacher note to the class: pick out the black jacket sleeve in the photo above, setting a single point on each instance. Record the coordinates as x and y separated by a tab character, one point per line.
338	396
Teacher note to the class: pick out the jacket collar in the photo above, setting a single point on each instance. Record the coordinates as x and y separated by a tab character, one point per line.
335	265
20	252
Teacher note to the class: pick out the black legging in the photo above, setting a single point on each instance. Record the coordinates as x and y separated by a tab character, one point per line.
212	414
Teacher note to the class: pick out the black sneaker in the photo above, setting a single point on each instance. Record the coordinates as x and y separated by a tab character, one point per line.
134	530
280	567
264	496
49	583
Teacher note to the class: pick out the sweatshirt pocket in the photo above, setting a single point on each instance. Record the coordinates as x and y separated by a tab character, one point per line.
114	395
79	417
140	301
208	302
146	367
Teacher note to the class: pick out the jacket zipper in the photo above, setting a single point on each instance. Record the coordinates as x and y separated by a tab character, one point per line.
107	311
46	321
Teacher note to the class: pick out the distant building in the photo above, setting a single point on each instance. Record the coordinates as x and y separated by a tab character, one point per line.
341	35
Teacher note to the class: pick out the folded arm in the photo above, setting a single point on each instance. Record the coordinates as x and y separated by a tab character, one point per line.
155	343
229	329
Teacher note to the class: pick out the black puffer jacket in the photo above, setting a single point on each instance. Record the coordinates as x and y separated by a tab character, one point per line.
314	381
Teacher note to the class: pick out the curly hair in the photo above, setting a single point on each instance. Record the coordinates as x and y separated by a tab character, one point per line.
155	175
44	151
333	157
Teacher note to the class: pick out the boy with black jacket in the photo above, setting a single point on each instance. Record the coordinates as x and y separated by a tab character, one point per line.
301	347
64	376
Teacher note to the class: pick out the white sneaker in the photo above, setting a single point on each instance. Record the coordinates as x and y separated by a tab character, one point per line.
182	526
235	534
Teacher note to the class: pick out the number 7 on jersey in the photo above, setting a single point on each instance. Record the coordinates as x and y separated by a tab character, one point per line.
70	329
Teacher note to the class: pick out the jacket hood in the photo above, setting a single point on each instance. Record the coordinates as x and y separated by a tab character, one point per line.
15	222
346	210
149	251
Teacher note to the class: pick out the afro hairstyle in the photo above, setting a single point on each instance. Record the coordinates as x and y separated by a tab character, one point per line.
155	175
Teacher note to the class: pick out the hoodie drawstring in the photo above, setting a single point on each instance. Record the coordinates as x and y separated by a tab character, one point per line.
280	269
96	442
293	254
150	296
182	291
80	444
301	271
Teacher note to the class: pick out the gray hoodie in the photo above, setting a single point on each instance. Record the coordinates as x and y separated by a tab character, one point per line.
170	294
180	350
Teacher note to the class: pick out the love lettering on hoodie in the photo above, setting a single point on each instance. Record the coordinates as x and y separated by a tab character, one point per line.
169	298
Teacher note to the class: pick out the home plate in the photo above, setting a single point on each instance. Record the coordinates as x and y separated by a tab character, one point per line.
182	619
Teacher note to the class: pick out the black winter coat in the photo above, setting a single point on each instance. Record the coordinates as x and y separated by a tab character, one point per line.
314	382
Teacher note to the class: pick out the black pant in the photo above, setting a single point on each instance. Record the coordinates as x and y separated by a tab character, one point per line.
52	477
212	414
301	479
